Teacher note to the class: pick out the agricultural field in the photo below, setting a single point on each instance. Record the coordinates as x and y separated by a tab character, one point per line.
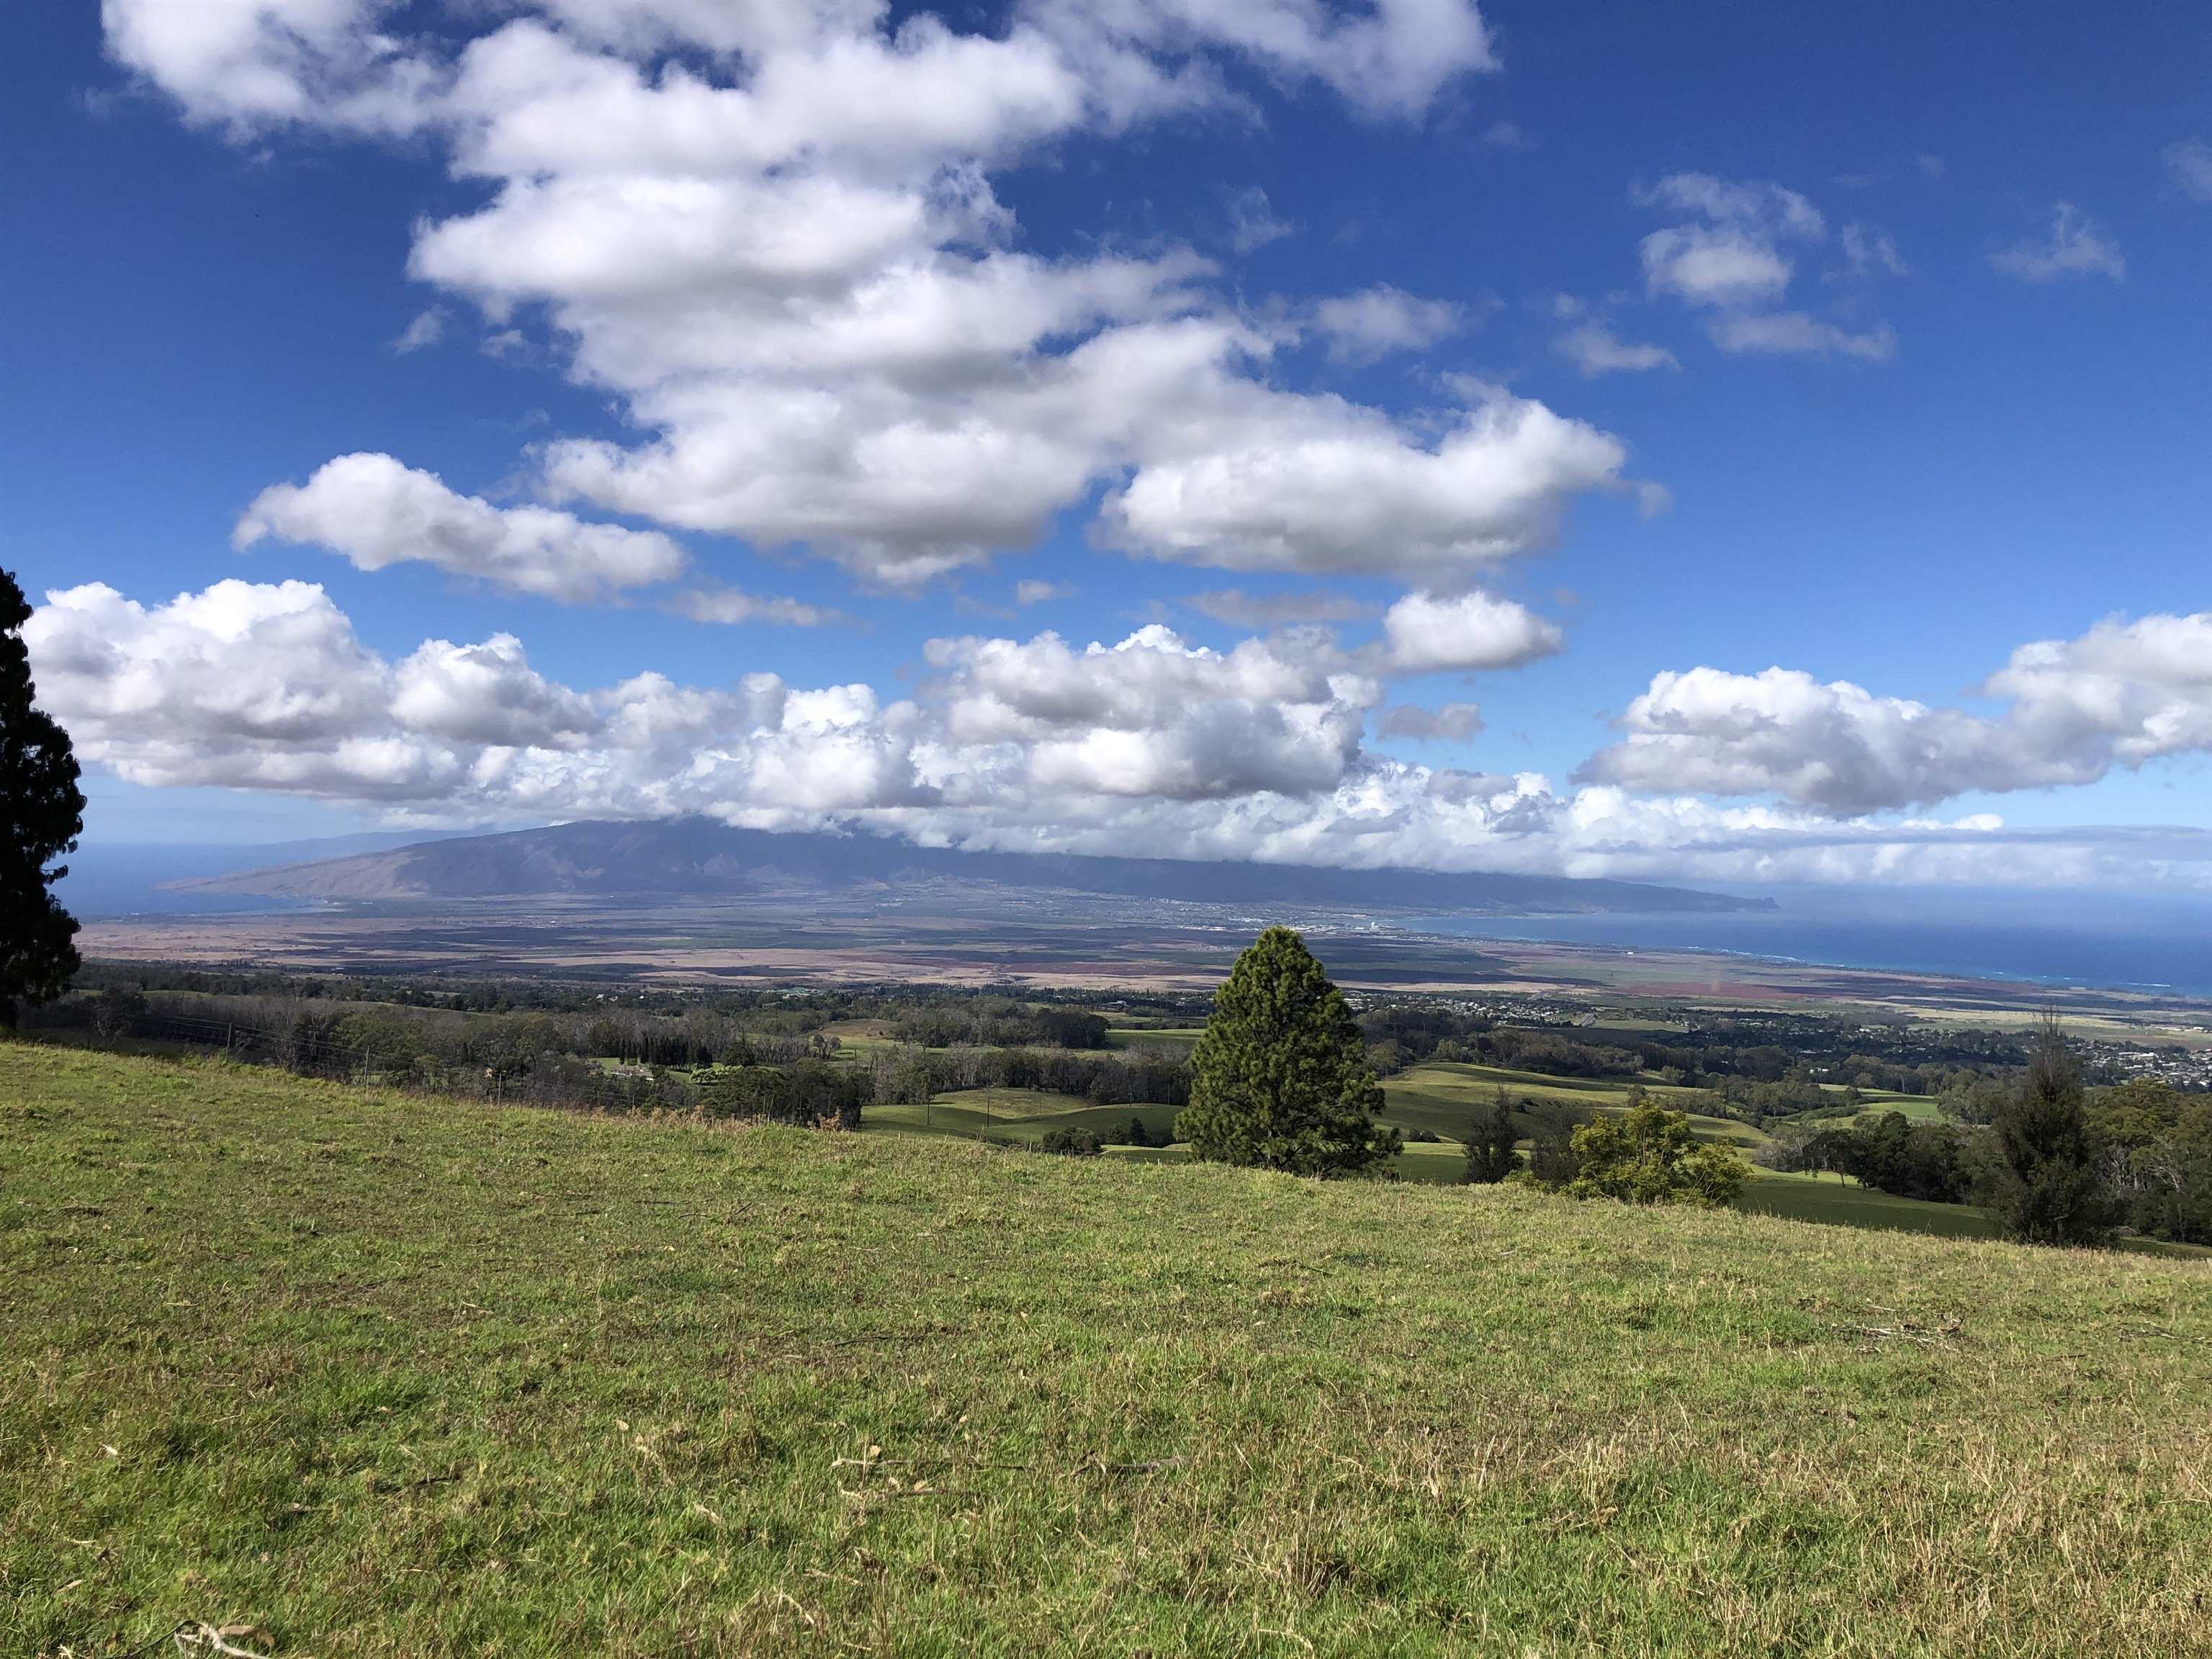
359	1373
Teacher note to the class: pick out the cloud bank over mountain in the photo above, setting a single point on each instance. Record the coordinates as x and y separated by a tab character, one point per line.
1147	745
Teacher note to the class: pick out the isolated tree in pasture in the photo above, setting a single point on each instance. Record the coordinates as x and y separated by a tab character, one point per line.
2048	1184
1647	1155
1280	1080
43	811
1490	1143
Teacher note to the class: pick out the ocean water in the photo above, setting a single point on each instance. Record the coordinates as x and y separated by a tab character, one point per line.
2116	943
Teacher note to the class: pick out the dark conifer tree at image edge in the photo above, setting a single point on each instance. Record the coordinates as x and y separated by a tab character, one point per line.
45	813
1281	1079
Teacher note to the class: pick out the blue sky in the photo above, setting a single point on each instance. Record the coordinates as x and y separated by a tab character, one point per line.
1868	345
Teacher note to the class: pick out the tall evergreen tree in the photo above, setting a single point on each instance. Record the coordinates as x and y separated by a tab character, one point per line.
1280	1077
2049	1185
43	811
1490	1154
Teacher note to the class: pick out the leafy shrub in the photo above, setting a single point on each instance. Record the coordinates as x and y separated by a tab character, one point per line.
810	1093
1647	1155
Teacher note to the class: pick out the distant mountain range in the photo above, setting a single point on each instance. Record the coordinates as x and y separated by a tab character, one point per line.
673	859
122	878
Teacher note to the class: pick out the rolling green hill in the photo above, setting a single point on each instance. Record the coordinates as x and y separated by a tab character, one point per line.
381	1374
1014	1115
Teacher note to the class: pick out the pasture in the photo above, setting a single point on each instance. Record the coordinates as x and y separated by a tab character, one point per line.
1443	1096
1177	1039
1840	1201
1013	1114
1440	1097
365	1374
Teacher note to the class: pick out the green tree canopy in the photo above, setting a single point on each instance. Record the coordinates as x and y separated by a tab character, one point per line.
2048	1185
44	813
1647	1155
1280	1077
1489	1142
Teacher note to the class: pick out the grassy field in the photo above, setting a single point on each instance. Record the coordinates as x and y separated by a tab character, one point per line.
381	1375
1919	1108
1438	1163
1026	1116
1442	1096
1839	1202
1178	1039
1023	1114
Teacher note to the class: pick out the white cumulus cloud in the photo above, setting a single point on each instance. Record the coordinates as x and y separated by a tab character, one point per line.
1375	322
376	512
2118	695
1423	633
769	233
1319	485
1147	745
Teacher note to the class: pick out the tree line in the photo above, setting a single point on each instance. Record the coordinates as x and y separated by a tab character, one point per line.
2056	1162
999	1023
695	1059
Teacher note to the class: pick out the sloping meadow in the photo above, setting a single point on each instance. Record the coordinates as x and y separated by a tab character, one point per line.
361	1373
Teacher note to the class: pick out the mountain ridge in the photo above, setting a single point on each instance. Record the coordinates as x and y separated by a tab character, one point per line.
696	857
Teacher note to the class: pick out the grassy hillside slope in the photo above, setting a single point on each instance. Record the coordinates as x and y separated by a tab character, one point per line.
385	1376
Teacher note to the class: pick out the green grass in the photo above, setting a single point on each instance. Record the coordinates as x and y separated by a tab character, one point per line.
1015	1114
1442	1096
385	1376
1845	1203
1177	1039
1434	1162
1917	1108
1444	1161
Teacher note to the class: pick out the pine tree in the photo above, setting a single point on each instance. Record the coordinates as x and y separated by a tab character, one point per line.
44	813
1280	1077
1490	1154
2049	1186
